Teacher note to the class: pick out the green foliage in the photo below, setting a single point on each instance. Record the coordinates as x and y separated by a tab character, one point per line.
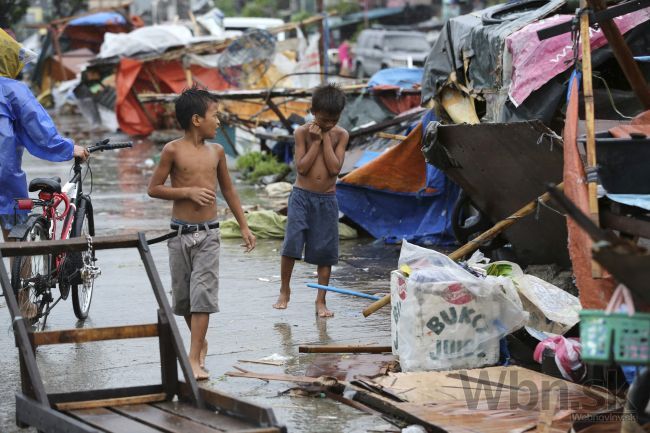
254	165
11	11
227	7
345	7
260	8
299	16
67	8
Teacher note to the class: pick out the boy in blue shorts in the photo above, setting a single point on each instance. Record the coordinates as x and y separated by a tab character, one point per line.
313	212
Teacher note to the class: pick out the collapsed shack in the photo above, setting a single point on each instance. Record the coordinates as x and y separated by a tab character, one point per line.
489	76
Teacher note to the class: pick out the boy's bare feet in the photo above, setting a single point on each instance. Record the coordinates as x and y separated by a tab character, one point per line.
322	311
283	301
199	373
203	354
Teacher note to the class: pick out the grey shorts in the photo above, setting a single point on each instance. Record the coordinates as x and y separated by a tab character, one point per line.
312	225
194	268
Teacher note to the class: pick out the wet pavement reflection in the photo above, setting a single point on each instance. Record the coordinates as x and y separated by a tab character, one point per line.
246	328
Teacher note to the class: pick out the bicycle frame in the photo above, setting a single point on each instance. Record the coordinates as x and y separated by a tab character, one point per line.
69	196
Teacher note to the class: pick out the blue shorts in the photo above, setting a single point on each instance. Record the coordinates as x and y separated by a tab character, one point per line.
8	221
312	225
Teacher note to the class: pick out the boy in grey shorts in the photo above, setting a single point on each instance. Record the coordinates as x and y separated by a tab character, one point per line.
313	210
196	168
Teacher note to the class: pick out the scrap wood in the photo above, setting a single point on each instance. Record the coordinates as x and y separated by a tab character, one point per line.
343	349
475	243
248	361
397	137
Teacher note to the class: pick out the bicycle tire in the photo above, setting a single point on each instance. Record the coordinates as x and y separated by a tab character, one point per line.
82	291
37	285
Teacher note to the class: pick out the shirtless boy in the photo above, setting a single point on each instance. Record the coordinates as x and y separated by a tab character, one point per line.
313	210
195	167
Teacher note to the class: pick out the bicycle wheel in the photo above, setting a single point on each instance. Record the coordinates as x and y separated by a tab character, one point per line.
30	278
82	287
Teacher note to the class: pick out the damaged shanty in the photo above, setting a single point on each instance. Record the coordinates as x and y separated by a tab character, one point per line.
505	130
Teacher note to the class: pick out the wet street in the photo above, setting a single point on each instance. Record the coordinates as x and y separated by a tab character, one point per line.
246	328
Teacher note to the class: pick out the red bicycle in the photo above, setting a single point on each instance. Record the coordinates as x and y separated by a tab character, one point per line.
34	277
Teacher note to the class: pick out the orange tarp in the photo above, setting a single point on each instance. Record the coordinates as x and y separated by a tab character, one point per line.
134	77
593	293
400	169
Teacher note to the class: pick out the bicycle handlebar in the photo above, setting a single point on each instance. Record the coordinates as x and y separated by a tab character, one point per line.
104	145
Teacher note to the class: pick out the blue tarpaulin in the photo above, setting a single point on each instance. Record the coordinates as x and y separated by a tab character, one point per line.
405	78
391	213
98	19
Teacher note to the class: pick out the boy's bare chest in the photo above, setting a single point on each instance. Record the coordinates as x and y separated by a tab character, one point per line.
202	162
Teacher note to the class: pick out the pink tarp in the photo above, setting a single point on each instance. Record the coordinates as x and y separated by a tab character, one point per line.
535	62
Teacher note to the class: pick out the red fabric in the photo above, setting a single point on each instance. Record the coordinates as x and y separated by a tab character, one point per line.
594	293
400	169
155	77
130	115
395	101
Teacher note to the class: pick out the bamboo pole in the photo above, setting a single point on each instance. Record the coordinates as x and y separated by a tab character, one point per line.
391	136
587	91
475	243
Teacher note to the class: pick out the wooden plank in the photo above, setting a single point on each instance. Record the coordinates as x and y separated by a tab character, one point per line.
168	360
120	401
625	224
343	349
207	417
12	249
250	412
113	422
168	317
29	369
163	420
83	335
99	394
44	418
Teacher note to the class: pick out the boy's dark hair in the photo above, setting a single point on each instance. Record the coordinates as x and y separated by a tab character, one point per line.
328	98
190	102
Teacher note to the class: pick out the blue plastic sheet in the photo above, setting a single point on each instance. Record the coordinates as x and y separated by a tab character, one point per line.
405	78
24	123
98	19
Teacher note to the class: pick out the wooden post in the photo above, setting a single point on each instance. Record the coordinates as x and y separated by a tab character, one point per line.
29	369
588	92
623	55
475	243
54	31
168	360
321	47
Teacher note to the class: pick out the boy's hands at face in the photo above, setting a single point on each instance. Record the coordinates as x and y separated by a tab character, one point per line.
249	240
316	130
202	196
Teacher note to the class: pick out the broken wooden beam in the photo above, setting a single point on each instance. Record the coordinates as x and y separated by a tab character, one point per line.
343	349
120	401
83	335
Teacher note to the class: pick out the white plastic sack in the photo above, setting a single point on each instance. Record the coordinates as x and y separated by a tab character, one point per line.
443	317
146	39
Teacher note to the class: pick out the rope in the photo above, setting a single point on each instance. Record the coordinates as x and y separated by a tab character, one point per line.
611	98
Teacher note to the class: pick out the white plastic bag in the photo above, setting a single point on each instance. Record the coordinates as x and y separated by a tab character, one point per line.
446	318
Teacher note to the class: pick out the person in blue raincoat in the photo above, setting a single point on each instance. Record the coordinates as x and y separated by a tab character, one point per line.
24	123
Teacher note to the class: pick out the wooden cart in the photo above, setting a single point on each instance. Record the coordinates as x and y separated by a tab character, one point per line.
172	406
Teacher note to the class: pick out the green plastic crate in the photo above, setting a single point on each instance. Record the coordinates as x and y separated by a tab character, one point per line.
615	337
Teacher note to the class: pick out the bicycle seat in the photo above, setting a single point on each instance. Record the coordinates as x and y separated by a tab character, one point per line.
45	184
